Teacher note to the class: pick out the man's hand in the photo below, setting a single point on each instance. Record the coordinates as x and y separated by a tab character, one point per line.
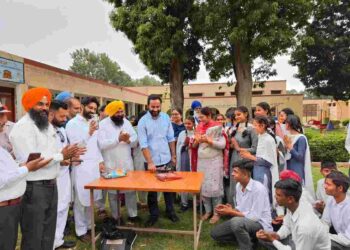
224	210
278	220
125	137
263	235
72	151
37	164
151	167
65	163
92	127
319	206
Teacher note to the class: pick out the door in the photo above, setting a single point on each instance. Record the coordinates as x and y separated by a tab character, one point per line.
7	98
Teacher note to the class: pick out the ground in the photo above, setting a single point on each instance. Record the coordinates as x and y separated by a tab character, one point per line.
174	242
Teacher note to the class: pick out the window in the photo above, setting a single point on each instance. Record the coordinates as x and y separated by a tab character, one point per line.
196	94
219	93
257	92
276	92
233	93
310	110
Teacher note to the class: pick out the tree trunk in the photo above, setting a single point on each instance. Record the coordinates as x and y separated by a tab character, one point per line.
176	84
243	73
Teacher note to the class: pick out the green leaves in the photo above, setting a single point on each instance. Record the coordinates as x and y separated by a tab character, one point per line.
160	31
101	67
323	55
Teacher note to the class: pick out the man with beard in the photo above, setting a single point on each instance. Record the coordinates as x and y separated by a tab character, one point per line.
156	137
82	129
74	106
116	137
34	134
58	117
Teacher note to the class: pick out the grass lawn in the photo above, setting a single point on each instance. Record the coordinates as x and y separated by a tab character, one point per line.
156	241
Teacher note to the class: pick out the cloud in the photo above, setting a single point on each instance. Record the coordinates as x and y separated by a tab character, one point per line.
48	31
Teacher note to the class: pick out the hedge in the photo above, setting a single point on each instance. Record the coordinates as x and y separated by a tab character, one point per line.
327	146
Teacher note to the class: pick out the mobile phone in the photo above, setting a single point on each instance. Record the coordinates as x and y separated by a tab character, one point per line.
33	156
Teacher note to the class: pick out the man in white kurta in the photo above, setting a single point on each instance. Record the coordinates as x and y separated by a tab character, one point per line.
82	130
116	137
58	117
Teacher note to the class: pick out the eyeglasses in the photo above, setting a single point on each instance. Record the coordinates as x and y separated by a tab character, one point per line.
62	138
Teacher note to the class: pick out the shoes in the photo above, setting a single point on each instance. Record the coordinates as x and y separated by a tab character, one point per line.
214	219
86	238
133	220
151	221
183	208
173	217
67	244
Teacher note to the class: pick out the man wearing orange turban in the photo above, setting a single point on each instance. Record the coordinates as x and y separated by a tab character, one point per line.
35	95
34	134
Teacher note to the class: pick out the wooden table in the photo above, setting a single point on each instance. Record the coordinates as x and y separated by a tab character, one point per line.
147	181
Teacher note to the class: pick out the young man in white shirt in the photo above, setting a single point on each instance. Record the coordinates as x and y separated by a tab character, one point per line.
301	223
321	196
82	129
116	137
12	187
34	134
337	211
251	214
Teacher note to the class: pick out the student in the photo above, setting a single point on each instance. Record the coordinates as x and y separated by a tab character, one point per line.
298	152
337	210
251	214
281	130
306	230
262	109
265	166
183	154
321	196
242	136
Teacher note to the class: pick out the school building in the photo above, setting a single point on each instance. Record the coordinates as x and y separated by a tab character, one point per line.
17	74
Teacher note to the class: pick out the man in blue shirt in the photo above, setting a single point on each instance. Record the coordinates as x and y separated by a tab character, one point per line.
156	138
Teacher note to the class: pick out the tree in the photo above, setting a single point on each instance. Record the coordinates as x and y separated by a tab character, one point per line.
147	81
323	55
163	37
99	66
237	32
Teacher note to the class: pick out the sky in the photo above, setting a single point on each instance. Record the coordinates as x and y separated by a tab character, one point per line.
48	31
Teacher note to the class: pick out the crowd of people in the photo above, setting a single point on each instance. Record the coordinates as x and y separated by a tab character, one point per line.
257	172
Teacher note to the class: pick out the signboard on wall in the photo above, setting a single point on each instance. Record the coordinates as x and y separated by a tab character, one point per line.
11	71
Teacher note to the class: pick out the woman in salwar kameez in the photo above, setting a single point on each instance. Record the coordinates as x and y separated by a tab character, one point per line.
211	143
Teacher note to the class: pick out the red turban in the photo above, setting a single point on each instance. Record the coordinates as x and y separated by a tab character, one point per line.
33	96
289	174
